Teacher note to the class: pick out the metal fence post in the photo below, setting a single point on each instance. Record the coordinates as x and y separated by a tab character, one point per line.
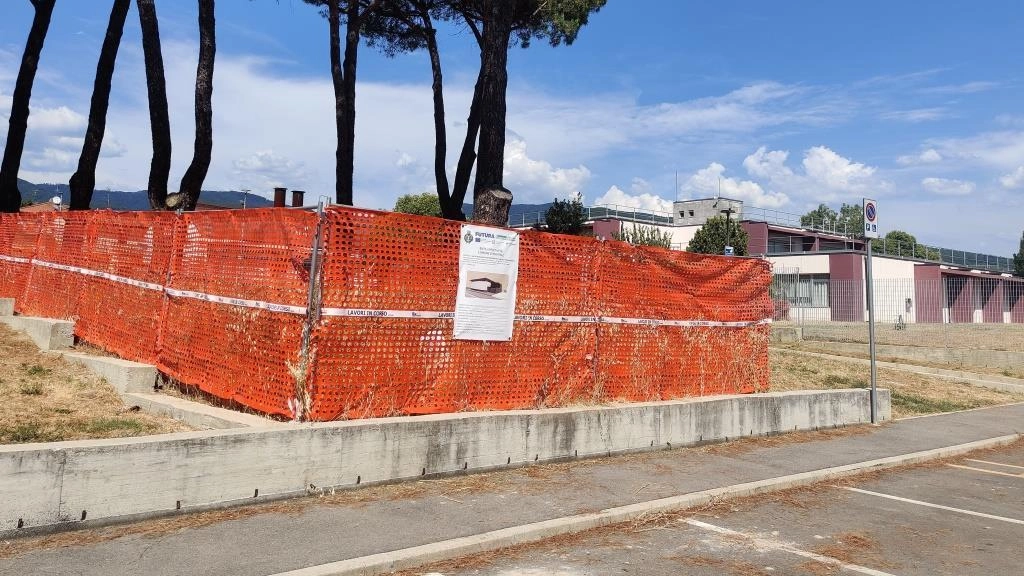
313	303
871	331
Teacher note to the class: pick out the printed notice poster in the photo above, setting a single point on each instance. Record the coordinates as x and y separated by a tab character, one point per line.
485	305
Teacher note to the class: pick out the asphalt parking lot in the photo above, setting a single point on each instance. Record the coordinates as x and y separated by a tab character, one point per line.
958	517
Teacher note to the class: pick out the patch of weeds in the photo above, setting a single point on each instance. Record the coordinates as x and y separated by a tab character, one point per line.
31	389
30	432
63	410
106	425
837	381
35	370
921	405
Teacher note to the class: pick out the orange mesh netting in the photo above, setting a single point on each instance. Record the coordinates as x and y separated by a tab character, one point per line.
218	300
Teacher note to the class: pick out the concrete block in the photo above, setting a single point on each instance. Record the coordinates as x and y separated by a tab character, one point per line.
48	334
195	414
154	475
6	306
125	376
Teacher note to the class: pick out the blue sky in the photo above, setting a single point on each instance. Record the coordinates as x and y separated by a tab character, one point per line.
782	104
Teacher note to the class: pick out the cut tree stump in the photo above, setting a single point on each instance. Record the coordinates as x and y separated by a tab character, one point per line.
491	206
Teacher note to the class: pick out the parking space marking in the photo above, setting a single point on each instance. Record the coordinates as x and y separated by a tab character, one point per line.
996	472
770	544
996	463
939	506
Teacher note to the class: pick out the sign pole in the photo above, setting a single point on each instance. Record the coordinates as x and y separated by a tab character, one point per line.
869	286
870	232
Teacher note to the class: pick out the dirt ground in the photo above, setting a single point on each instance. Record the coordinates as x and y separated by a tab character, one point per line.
912	394
1009	337
45	399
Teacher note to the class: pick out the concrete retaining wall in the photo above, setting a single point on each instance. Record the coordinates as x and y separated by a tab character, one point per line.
53	485
952	356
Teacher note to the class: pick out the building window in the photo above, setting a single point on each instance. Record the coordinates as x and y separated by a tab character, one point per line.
691	213
803	291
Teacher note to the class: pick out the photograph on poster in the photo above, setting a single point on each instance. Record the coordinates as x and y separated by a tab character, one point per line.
489	285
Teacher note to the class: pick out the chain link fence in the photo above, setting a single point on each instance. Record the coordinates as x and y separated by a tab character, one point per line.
958	310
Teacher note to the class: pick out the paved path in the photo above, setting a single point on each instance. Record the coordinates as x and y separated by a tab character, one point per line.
963	517
288	535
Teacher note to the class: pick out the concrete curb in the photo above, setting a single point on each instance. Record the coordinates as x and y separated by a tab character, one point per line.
124	375
446	550
47	334
991	381
195	414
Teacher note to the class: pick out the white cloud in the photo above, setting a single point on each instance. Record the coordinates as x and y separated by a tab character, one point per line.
947	187
531	179
836	172
615	196
770	165
966	88
265	169
917	115
405	160
1002	150
1014	179
929	156
710	182
56	120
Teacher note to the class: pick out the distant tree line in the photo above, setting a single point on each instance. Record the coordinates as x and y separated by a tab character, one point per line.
393	26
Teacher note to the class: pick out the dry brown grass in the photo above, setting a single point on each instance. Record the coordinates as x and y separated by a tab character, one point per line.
45	399
1009	337
855	548
824	347
912	394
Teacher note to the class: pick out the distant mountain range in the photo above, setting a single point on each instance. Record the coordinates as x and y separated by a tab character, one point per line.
120	200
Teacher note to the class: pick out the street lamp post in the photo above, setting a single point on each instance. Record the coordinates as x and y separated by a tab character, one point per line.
728	232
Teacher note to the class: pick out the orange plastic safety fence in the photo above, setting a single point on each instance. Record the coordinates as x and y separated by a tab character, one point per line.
238	349
218	300
120	317
373	363
18	236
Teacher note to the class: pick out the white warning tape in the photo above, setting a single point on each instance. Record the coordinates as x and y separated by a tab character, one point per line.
373	313
369	313
16	259
98	274
236	301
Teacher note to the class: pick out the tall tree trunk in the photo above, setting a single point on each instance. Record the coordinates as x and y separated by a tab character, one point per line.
192	181
347	130
10	197
468	156
159	122
83	181
337	78
491	160
448	209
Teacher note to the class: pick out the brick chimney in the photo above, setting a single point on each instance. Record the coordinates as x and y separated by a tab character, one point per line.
297	198
279	194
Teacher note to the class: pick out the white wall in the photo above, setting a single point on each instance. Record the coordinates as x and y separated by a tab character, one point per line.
681	235
807	263
894	284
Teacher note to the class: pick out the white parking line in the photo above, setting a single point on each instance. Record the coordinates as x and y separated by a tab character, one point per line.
770	544
939	506
996	463
996	472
